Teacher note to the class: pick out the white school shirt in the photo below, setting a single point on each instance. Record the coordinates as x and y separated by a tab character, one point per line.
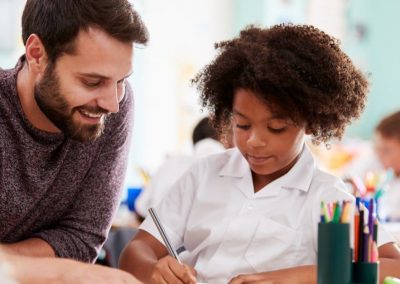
227	229
389	204
170	171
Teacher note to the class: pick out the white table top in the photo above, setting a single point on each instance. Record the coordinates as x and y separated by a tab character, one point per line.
394	229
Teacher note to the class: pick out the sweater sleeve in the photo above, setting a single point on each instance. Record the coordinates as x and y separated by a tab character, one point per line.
83	229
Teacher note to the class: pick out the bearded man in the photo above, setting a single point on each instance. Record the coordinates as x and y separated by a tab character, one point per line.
65	123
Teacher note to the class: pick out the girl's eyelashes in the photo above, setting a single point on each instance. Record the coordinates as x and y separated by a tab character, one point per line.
277	130
243	126
277	125
272	130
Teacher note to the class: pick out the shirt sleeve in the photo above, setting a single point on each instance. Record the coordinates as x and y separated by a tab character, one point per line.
83	229
174	209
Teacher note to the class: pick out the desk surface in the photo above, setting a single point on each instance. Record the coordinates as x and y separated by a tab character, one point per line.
394	229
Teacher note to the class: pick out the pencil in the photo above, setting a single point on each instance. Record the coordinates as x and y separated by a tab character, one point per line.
361	234
336	213
163	234
375	235
346	212
356	233
366	244
371	216
326	213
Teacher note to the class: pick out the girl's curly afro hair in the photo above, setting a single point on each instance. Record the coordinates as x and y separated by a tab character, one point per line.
297	69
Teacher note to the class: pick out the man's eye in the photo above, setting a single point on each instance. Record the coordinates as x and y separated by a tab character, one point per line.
92	84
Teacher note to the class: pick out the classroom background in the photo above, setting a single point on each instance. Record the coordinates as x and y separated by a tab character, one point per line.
182	36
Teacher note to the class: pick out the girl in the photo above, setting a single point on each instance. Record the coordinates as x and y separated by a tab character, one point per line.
255	208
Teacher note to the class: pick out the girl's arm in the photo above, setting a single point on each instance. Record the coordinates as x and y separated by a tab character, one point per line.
389	258
148	260
295	275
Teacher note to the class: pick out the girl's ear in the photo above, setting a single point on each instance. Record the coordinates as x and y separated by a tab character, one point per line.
308	130
35	54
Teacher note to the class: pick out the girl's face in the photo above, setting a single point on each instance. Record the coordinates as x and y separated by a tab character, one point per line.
388	151
270	143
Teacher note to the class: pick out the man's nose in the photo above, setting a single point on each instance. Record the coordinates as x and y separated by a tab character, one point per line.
109	100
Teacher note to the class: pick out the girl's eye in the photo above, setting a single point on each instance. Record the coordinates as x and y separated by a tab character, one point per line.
277	125
243	126
277	130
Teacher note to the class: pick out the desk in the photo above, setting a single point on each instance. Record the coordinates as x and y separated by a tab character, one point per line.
394	229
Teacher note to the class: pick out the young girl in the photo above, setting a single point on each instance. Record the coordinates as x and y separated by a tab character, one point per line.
255	208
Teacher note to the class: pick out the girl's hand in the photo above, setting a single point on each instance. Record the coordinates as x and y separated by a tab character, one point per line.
169	270
295	275
264	278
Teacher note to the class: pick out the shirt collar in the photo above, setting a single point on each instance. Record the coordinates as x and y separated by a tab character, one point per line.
236	166
299	177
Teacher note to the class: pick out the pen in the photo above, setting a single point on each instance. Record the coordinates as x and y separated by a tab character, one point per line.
371	216
326	213
163	234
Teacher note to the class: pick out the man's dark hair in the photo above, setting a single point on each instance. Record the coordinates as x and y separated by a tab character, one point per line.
58	22
296	70
389	127
204	130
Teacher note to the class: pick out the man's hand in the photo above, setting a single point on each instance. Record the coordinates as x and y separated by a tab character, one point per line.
81	273
32	270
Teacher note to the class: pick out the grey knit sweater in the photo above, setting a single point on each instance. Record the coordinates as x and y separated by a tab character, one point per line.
54	188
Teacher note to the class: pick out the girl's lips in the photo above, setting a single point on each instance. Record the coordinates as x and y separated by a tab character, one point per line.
258	159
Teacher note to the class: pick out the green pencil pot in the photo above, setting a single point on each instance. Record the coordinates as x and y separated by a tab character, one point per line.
365	273
334	254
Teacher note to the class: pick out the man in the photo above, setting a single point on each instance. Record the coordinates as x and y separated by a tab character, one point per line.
65	120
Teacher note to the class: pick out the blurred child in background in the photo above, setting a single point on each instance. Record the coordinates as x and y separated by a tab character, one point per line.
375	171
387	147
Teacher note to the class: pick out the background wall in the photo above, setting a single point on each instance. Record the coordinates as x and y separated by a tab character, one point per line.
373	41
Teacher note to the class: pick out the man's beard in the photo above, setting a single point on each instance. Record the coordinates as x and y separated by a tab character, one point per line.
56	108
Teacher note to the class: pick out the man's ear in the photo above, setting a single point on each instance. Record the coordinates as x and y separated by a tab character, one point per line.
35	54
